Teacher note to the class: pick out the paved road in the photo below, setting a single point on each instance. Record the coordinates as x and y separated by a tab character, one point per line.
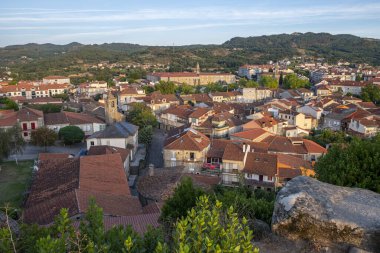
155	150
31	152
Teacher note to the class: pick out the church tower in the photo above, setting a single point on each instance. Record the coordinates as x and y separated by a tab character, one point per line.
197	69
110	108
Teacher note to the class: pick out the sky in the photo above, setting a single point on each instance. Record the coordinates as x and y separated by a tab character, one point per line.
168	22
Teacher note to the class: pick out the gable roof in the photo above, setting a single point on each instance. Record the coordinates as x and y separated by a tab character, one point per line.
69	183
117	130
189	139
252	135
104	149
261	164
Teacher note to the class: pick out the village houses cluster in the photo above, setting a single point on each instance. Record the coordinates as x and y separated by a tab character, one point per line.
252	136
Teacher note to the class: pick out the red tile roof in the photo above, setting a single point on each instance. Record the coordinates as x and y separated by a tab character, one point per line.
261	164
189	139
252	135
69	183
103	149
103	173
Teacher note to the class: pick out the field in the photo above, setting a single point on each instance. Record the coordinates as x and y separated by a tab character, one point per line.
14	181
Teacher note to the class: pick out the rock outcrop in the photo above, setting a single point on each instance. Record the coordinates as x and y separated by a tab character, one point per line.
339	218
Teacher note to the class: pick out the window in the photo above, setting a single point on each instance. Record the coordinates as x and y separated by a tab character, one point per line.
270	178
24	126
25	134
261	178
192	156
92	143
33	125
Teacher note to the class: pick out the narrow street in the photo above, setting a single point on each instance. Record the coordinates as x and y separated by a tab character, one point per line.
155	150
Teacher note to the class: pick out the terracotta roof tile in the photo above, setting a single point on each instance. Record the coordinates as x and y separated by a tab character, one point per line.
103	149
189	139
261	164
103	173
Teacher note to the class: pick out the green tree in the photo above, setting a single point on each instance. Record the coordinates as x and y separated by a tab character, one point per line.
258	204
43	137
242	82
328	136
71	134
355	164
141	115
166	87
9	104
206	228
5	140
183	199
146	134
268	82
17	141
148	89
292	81
11	141
371	93
251	84
185	89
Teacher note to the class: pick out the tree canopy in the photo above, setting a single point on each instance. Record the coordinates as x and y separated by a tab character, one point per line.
183	199
166	87
327	136
43	137
355	164
243	82
268	82
141	115
9	104
146	135
71	134
11	141
292	81
371	93
205	228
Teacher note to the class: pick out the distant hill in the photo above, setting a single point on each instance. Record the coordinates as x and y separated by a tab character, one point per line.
42	59
331	47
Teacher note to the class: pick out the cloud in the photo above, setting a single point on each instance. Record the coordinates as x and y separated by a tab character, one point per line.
205	13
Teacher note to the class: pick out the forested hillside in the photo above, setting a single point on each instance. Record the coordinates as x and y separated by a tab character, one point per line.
34	60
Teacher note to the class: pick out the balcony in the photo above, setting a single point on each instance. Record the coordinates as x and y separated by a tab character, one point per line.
209	168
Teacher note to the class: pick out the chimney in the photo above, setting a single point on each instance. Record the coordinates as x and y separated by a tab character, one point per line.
247	148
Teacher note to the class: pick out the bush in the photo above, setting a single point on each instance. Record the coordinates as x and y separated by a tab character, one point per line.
71	134
355	165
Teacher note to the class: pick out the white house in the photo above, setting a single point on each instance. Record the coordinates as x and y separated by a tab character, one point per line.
89	124
120	134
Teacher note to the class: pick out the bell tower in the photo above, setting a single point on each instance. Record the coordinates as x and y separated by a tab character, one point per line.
110	108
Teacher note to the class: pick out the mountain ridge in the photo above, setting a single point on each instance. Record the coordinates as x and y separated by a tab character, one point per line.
228	56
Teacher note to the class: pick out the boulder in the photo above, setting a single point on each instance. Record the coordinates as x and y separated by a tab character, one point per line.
339	218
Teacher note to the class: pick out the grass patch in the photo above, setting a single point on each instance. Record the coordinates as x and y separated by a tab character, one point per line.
14	180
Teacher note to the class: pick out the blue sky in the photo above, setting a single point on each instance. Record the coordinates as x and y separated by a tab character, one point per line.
164	22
